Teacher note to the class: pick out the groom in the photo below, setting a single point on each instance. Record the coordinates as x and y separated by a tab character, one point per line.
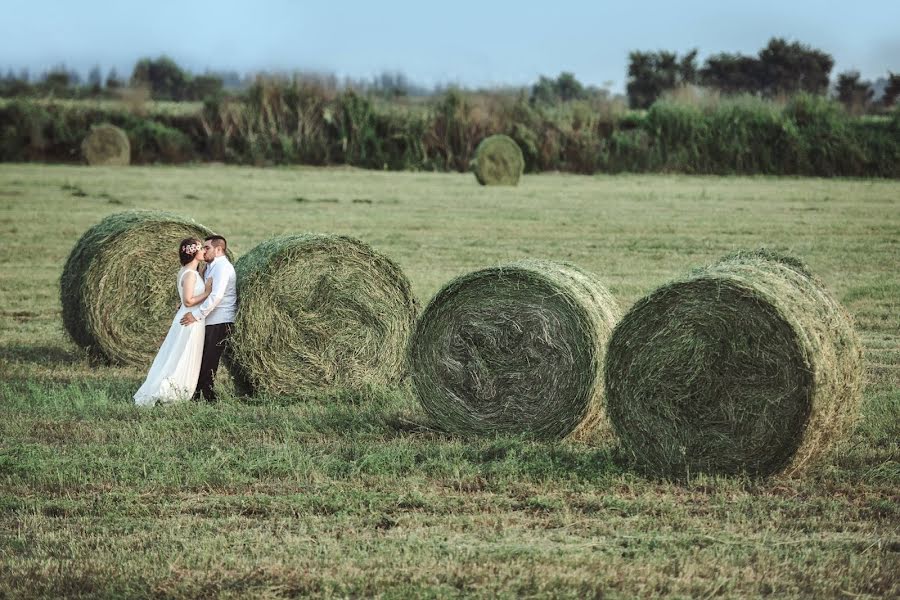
218	309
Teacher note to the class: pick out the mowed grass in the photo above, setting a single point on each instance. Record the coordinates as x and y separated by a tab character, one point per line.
354	493
152	107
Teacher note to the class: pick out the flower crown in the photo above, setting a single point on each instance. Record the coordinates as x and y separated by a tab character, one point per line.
191	249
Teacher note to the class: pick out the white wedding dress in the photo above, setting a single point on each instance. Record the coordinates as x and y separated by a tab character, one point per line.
176	368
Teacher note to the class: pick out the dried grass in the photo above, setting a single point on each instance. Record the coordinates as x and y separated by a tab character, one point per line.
118	287
106	145
517	348
317	312
746	366
498	161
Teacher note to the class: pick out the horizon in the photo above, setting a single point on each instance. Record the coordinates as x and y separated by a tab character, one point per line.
500	49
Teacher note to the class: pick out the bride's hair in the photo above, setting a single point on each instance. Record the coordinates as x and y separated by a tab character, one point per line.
188	248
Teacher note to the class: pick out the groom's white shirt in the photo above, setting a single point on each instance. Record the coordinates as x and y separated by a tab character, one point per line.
221	304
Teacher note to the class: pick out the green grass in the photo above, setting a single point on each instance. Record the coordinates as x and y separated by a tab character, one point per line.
151	107
353	494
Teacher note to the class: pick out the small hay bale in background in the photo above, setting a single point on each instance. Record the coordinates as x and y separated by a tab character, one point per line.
318	312
118	288
515	349
106	145
746	366
498	161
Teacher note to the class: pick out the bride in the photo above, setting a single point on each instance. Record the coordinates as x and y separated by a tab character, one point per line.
176	368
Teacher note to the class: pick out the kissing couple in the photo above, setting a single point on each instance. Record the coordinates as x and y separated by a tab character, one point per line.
186	363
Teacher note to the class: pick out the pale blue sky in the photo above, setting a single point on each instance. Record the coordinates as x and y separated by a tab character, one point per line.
467	42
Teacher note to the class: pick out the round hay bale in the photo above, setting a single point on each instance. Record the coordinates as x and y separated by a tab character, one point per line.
515	349
106	145
318	312
498	161
118	288
746	366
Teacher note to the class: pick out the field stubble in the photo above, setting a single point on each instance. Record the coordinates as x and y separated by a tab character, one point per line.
353	493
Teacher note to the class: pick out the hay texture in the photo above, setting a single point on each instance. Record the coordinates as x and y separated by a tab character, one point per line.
118	287
514	349
498	161
318	312
106	145
746	366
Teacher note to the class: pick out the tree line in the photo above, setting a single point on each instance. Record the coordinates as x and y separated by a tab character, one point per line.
780	69
162	77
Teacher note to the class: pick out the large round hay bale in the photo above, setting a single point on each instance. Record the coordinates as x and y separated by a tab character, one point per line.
498	161
318	312
118	287
514	349
106	145
746	366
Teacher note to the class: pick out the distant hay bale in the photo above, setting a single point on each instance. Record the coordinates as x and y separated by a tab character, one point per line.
318	312
746	366
498	161
118	287
515	349
106	145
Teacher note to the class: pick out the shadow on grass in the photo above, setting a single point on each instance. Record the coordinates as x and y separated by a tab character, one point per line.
376	432
44	356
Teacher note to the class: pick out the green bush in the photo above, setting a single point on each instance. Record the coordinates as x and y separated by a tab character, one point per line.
628	150
357	131
154	142
22	131
879	144
449	138
829	146
680	133
298	122
534	131
751	136
35	132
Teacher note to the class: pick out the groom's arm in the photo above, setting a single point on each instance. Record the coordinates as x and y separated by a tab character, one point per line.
220	282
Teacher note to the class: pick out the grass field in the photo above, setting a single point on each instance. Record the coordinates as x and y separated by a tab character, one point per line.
353	494
151	107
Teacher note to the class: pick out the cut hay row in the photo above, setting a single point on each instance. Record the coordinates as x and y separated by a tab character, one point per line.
746	366
319	311
517	348
498	161
118	287
106	145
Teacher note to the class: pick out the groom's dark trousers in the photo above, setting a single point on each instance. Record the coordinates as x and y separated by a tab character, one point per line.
214	341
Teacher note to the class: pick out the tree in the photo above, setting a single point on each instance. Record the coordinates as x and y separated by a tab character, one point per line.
788	68
687	68
891	91
206	86
781	68
652	73
95	80
166	80
562	89
731	73
543	92
854	94
568	88
15	85
389	84
113	82
57	81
